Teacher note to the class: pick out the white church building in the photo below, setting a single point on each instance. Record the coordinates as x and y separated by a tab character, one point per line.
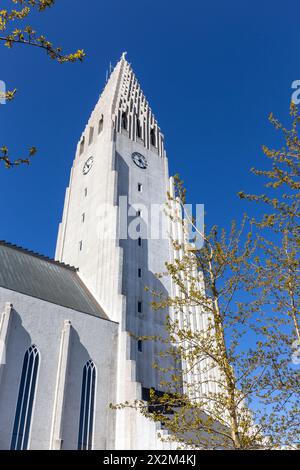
69	327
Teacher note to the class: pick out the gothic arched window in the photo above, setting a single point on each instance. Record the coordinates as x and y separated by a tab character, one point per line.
153	137
124	121
86	421
25	401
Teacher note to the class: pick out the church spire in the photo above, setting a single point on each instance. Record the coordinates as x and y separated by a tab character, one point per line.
128	109
131	111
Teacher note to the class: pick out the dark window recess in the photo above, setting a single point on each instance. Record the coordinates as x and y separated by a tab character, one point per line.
153	137
139	241
81	146
139	306
138	129
100	125
140	345
139	272
85	192
91	135
140	187
156	405
124	121
80	246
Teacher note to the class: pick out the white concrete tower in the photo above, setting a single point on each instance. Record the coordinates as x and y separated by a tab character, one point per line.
120	154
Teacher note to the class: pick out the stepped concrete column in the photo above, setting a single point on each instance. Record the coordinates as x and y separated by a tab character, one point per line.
5	321
56	439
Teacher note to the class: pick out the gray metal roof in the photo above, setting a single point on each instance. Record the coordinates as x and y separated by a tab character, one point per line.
41	277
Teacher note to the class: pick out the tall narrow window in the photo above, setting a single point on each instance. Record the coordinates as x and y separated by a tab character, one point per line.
83	217
139	241
80	246
153	137
124	121
139	272
100	125
85	192
140	345
138	129
25	401
91	136
81	146
86	421
139	306
140	187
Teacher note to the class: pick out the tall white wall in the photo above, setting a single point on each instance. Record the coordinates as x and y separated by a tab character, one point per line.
99	260
107	265
34	321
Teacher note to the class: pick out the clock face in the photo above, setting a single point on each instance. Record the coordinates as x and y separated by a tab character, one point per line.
88	165
139	160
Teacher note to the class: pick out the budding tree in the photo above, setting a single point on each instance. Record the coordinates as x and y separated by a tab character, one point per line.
13	33
215	393
277	262
280	234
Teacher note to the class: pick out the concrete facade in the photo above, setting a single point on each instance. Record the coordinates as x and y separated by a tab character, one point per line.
33	321
108	186
109	266
117	270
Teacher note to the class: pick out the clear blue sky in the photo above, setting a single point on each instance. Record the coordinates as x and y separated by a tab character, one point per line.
212	72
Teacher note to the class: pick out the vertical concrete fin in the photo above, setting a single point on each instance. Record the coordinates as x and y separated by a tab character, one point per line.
62	370
5	320
132	112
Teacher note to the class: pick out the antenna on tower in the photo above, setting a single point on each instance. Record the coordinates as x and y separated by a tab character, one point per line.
106	79
124	55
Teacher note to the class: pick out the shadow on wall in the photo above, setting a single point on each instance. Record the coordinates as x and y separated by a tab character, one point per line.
78	357
17	346
141	319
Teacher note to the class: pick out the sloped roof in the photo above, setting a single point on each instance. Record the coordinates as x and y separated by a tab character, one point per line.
38	276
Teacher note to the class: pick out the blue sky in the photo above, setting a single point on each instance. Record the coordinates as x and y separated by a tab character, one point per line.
212	72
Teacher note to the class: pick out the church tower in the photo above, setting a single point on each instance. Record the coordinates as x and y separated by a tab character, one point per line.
112	227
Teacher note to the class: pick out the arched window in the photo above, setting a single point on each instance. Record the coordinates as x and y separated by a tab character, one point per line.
124	121
25	401
86	422
153	137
